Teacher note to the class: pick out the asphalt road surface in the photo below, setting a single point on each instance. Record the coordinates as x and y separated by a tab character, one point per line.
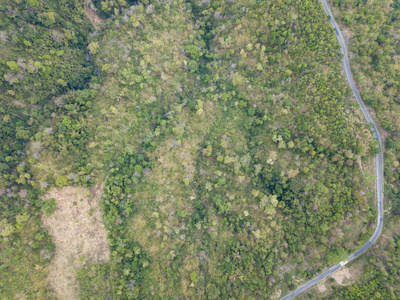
378	168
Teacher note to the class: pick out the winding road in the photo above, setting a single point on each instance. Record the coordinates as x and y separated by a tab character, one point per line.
378	168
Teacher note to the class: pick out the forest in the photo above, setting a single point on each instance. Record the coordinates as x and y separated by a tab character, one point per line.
232	157
373	29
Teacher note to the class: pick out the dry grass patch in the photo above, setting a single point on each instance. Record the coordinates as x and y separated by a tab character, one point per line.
321	287
343	277
79	235
95	19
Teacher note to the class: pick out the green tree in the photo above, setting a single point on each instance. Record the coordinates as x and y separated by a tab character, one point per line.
49	206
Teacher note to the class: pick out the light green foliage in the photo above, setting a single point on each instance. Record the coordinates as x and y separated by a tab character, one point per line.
193	52
7	229
62	181
193	66
93	47
20	220
13	65
49	206
33	3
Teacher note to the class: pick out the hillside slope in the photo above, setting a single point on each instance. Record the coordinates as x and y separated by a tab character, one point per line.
235	162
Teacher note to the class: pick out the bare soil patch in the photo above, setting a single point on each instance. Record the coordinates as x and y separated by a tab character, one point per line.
321	287
19	103
79	234
93	17
342	276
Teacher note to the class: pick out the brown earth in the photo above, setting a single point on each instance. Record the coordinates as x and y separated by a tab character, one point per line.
95	19
344	276
79	234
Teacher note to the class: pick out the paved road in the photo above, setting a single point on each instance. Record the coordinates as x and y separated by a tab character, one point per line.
378	165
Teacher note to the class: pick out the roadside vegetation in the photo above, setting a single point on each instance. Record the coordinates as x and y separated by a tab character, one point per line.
373	29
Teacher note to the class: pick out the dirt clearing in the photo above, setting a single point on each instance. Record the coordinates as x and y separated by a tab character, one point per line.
79	234
95	19
343	277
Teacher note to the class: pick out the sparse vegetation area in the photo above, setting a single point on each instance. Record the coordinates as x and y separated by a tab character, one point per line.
79	235
232	158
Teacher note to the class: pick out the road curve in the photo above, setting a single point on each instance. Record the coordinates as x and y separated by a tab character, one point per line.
378	168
